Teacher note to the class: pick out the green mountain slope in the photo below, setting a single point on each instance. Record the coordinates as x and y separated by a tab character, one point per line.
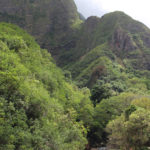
113	42
111	57
51	22
39	109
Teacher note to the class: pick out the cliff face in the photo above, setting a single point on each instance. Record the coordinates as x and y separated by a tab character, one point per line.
50	21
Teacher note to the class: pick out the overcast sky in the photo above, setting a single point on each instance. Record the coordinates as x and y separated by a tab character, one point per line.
137	9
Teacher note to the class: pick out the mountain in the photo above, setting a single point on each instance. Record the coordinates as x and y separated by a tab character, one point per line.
114	39
76	44
51	22
40	108
111	57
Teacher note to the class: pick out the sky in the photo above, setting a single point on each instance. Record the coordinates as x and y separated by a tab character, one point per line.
137	9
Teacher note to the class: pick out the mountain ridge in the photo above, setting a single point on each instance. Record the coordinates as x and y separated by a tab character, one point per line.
41	107
128	44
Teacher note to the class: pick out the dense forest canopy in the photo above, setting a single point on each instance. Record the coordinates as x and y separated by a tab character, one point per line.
100	95
39	108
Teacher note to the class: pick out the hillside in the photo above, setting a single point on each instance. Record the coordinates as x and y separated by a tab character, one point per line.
51	22
39	108
44	107
56	25
115	40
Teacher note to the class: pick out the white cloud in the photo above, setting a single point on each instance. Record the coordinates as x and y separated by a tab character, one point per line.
89	8
138	9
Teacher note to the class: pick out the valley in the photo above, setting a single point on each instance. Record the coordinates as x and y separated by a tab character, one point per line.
70	83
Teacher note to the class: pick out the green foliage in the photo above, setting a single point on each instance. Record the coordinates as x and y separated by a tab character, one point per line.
107	110
143	102
129	111
115	42
41	108
132	133
38	108
99	92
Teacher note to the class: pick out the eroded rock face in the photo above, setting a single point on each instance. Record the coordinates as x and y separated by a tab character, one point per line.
48	20
122	42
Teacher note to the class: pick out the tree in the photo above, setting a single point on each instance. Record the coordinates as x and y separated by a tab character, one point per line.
143	102
99	92
132	133
105	111
39	108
